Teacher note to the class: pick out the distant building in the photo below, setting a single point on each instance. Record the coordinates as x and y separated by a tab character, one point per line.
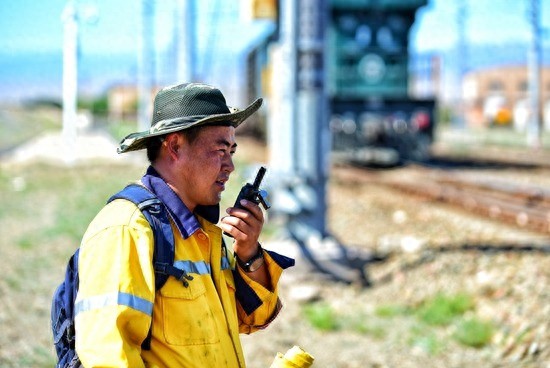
499	96
122	102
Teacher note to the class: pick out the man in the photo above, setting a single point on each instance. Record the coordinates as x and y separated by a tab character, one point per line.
190	146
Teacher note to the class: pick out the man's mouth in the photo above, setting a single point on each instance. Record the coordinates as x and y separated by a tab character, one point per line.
221	183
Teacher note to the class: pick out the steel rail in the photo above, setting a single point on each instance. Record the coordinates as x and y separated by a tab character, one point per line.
523	206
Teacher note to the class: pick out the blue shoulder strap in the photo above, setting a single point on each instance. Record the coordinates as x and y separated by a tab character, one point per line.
163	253
155	212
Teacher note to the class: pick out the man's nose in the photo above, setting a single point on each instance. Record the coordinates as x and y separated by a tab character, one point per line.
228	165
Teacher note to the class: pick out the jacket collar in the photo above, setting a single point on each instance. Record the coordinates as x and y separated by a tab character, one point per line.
184	219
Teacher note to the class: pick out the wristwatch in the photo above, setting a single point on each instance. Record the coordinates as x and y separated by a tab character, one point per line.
254	263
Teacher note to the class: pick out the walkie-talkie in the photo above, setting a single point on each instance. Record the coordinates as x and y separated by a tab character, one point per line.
252	192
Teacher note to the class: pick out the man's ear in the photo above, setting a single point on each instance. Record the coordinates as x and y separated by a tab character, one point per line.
173	144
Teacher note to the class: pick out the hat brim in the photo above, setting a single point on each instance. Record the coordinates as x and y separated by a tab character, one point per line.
137	141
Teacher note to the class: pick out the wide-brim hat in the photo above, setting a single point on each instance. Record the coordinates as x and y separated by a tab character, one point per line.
184	106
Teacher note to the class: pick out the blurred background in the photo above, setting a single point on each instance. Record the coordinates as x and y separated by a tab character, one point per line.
457	50
399	135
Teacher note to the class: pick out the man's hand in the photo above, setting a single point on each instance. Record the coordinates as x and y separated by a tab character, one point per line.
245	226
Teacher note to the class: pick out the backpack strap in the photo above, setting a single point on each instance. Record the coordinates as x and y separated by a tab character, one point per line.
156	214
163	251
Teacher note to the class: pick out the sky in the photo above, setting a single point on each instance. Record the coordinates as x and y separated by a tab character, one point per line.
32	36
487	22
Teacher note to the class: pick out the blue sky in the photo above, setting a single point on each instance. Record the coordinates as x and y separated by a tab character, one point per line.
31	36
30	25
488	22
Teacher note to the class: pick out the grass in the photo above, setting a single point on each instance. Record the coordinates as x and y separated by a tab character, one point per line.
474	332
427	323
426	339
443	309
121	129
467	140
321	316
42	221
389	311
18	125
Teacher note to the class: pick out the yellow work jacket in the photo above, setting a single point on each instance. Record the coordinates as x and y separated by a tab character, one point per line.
194	326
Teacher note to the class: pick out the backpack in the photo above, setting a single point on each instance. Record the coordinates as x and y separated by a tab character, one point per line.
62	313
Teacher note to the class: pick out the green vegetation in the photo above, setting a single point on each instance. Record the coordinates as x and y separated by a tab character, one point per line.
470	140
365	325
121	129
45	210
429	322
389	311
442	309
98	106
474	332
426	339
18	125
321	316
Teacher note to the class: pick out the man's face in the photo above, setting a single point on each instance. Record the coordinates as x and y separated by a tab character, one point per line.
203	167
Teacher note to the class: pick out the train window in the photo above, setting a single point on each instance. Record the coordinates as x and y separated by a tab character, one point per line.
348	23
385	39
398	23
363	35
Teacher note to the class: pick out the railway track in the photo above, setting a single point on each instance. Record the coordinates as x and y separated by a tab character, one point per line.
524	206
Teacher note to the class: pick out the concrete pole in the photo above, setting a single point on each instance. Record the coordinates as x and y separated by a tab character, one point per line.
282	117
145	65
185	41
312	138
70	78
534	131
299	138
462	58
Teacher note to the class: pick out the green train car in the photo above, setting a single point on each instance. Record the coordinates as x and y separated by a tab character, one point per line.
373	118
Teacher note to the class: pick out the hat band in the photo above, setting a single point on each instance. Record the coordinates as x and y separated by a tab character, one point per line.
168	123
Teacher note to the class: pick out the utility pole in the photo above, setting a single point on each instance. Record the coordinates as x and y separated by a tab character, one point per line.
185	41
145	64
312	134
534	131
462	58
300	139
298	130
70	67
282	118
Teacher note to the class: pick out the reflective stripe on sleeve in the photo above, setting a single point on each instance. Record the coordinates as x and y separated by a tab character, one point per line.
108	300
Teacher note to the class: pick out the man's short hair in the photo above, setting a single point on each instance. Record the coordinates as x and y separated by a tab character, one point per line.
153	145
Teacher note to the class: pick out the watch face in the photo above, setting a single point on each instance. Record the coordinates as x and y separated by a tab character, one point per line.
255	264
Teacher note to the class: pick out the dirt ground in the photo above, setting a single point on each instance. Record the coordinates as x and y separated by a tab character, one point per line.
425	242
510	290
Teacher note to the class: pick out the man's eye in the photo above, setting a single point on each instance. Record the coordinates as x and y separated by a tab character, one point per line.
224	151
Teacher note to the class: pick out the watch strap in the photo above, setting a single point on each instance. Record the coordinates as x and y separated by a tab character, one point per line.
253	263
